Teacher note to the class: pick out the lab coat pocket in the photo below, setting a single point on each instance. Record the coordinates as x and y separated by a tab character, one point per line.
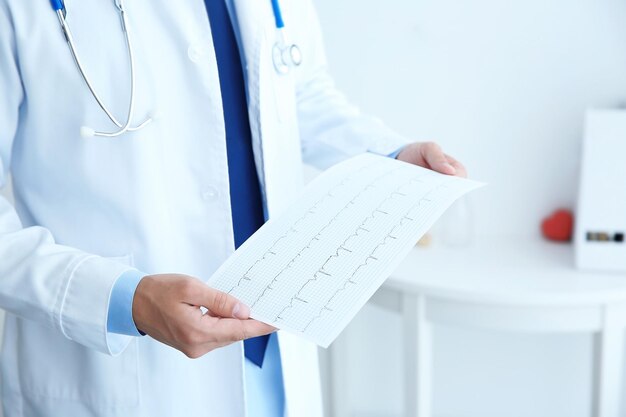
56	370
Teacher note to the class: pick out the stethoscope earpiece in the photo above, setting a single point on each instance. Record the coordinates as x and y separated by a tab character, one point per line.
286	57
296	55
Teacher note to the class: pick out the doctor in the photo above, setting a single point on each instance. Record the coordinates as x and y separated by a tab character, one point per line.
148	139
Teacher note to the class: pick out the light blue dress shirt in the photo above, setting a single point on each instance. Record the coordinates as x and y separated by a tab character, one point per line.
120	316
265	394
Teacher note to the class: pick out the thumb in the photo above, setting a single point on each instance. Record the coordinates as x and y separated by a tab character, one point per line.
221	304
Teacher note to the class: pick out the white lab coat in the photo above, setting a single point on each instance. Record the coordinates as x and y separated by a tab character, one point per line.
157	200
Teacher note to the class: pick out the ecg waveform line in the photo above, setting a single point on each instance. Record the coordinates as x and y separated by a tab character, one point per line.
270	251
342	247
383	242
269	287
318	234
311	210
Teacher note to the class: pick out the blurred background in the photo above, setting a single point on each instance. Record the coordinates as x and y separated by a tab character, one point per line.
503	86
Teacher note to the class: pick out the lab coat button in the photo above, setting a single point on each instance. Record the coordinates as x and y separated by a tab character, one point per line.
195	53
210	193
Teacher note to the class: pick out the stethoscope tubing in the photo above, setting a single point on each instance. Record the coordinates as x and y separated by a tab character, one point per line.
57	5
122	128
278	14
284	57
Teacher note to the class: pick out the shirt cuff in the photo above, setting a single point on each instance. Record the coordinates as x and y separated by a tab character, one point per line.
395	153
120	316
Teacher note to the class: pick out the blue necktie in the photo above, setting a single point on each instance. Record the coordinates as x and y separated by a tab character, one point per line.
245	193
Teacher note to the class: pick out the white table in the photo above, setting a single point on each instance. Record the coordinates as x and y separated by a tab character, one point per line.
509	285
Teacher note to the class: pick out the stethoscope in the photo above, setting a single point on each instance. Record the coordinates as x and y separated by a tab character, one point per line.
284	56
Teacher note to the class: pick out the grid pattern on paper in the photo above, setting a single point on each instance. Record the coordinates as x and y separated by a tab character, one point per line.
313	268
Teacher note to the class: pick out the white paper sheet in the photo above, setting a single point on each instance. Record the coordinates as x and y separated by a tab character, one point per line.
310	270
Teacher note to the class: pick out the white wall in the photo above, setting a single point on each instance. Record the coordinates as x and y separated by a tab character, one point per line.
503	85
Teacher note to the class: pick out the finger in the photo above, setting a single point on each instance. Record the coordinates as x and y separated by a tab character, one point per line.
211	333
436	159
233	330
219	303
459	167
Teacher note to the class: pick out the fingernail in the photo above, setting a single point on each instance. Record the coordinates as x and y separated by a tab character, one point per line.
449	167
241	311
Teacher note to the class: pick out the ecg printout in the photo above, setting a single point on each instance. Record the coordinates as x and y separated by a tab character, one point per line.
311	269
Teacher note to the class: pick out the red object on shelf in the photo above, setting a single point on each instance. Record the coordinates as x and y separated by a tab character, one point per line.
559	226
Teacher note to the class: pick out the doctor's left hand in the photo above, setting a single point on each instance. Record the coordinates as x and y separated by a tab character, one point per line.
168	308
429	155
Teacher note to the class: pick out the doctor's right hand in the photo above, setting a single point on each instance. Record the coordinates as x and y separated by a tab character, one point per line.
168	308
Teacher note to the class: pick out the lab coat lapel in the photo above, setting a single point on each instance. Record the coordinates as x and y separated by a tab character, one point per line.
272	107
